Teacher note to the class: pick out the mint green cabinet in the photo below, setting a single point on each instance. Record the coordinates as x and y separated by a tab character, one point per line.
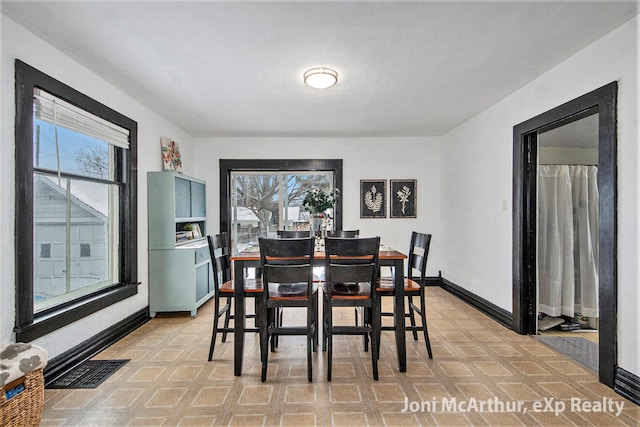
180	273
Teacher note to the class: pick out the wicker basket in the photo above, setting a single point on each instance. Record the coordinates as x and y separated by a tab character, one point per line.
25	408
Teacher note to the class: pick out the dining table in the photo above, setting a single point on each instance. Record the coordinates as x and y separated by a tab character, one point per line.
250	258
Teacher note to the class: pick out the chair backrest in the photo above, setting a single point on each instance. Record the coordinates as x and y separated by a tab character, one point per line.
293	234
287	262
220	253
418	254
351	261
344	233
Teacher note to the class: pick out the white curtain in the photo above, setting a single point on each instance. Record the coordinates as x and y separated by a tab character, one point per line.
568	240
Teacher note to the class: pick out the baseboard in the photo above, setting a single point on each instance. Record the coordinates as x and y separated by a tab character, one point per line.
85	350
498	314
627	385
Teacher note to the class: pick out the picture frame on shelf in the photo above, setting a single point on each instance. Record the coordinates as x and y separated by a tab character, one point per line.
197	233
403	198
373	198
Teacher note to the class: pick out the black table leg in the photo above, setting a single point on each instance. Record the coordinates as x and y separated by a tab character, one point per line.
401	345
239	323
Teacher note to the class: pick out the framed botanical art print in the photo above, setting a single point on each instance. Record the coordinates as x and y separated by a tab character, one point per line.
403	198
373	198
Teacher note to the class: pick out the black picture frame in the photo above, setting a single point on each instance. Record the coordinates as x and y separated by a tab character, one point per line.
373	198
403	198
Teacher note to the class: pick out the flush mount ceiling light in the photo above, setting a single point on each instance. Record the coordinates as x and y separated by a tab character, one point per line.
320	77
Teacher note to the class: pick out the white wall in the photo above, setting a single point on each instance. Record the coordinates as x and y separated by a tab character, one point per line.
478	176
21	44
363	158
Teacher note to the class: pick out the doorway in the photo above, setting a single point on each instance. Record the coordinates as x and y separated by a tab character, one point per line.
601	102
567	239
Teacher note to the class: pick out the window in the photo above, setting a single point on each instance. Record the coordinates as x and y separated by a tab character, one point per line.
263	202
85	250
263	196
75	199
45	250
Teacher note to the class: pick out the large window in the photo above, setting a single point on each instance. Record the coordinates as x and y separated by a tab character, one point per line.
75	190
263	202
259	197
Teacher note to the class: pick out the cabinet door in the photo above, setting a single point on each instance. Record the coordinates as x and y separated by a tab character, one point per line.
202	281
198	200
183	198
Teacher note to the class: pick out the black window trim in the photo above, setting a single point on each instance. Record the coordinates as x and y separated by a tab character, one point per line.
30	326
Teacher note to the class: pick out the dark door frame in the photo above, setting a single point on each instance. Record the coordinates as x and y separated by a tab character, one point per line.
602	100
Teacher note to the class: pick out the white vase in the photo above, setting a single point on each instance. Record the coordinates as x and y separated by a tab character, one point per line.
317	224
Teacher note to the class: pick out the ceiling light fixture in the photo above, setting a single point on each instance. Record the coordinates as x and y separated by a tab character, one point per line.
320	77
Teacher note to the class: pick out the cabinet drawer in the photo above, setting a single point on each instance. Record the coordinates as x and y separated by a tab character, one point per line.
202	254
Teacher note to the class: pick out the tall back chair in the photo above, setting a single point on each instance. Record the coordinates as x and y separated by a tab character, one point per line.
344	233
417	262
287	275
351	270
293	234
219	250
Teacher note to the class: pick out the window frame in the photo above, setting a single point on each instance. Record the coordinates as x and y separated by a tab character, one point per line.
29	325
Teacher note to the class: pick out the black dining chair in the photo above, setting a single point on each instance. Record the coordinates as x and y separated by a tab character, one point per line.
351	270
417	261
344	233
293	234
220	252
287	275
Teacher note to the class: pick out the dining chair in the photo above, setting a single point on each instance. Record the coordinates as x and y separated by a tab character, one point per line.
417	261
344	233
287	275
351	269
293	234
220	252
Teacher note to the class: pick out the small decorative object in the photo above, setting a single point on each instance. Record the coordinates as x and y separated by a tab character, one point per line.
403	198
317	202
373	199
183	236
197	233
171	155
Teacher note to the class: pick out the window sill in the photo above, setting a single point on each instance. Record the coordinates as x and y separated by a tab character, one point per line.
55	320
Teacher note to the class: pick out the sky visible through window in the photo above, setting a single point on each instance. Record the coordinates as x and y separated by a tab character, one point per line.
80	154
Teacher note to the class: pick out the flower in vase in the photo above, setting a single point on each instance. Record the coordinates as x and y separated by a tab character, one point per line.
317	201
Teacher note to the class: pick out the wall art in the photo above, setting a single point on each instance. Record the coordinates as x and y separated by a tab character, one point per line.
403	198
373	198
171	155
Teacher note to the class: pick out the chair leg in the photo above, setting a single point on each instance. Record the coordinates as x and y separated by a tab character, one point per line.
264	339
412	317
272	318
329	339
424	324
325	317
226	319
375	333
315	322
214	333
310	341
365	321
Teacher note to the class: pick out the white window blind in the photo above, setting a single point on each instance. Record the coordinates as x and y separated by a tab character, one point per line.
54	110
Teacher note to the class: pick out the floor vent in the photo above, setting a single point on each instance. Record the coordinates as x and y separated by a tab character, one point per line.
88	374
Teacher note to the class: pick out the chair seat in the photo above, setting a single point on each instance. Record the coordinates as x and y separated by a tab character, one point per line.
359	291
385	285
250	285
297	291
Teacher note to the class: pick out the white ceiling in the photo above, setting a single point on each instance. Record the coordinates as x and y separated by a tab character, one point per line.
235	68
